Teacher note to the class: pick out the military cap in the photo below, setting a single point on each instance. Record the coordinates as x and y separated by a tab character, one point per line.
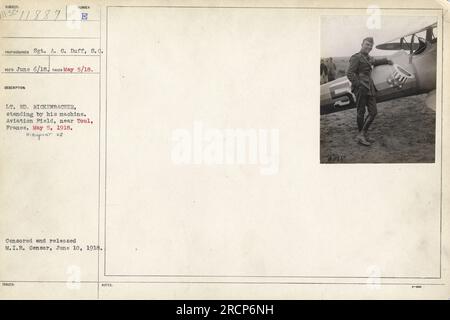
368	39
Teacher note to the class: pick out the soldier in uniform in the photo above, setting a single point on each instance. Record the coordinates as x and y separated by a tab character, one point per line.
331	69
323	72
359	74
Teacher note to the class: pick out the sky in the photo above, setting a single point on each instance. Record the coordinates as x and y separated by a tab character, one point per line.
342	35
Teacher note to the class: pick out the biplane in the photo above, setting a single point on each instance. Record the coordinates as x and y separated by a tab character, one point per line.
413	72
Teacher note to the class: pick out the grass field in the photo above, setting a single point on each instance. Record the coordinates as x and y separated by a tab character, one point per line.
404	131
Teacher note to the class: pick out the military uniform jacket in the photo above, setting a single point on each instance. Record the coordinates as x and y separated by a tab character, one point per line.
360	69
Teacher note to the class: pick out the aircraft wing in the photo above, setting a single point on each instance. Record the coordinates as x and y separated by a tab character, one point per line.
391	45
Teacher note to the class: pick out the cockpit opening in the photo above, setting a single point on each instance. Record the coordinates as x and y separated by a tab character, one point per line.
413	44
422	46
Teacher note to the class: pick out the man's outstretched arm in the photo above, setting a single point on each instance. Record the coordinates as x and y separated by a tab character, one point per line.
379	62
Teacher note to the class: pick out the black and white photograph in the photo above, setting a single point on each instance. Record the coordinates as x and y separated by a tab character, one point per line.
378	89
